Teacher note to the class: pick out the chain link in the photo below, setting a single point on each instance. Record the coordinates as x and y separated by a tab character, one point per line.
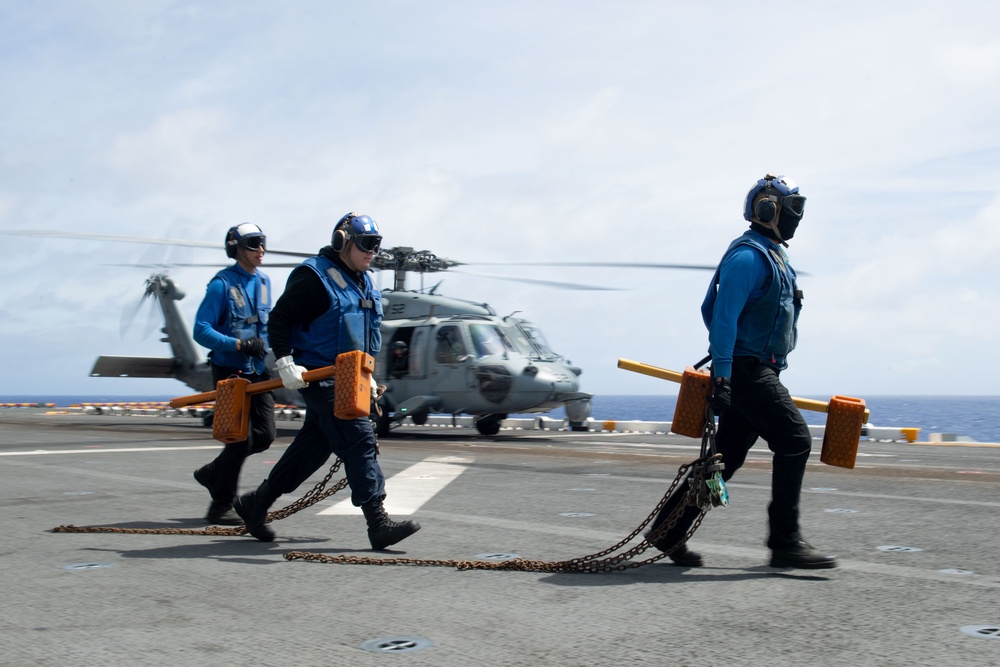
697	495
316	494
695	472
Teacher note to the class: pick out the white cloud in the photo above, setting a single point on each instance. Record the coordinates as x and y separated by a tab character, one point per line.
562	131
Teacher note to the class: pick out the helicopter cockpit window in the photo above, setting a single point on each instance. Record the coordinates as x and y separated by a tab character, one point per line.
538	341
488	340
450	347
519	340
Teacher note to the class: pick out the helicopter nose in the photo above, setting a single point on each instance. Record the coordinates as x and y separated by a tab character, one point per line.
556	378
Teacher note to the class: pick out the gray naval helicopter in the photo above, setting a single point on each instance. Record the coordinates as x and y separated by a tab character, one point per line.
439	354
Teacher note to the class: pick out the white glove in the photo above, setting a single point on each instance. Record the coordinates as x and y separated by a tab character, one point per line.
291	374
374	387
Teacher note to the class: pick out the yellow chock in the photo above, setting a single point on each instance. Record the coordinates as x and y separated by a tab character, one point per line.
844	419
231	422
352	386
692	399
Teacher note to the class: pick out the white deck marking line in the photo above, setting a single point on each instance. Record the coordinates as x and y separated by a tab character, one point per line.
107	450
407	491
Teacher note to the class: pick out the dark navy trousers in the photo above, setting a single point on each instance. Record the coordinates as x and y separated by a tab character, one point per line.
229	462
761	408
322	434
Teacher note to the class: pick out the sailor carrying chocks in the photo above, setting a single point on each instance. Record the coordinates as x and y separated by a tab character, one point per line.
751	311
329	306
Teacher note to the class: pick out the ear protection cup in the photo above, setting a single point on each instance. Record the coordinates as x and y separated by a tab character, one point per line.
231	244
765	210
339	240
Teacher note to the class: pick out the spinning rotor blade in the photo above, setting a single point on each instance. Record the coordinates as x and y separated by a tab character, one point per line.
55	234
547	283
205	265
616	265
131	312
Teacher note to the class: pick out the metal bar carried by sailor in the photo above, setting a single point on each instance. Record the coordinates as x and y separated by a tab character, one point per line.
845	415
352	395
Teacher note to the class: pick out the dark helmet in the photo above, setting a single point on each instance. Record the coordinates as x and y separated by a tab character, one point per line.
779	192
399	345
358	228
246	235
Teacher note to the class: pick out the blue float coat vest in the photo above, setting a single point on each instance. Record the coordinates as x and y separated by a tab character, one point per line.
350	323
767	327
245	316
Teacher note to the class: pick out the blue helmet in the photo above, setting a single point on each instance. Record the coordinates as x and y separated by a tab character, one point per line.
245	235
358	228
782	193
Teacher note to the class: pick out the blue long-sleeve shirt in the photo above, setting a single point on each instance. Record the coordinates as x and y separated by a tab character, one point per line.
755	309
213	326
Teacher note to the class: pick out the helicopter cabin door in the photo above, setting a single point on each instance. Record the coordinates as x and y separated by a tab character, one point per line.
451	363
405	358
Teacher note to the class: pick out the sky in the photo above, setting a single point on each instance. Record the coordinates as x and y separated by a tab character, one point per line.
521	131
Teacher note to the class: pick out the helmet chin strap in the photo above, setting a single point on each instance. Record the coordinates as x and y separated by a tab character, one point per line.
345	254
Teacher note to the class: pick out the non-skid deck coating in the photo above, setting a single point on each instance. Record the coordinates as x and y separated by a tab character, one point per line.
916	530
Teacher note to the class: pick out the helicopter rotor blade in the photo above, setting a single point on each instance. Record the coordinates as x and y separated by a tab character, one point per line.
204	265
130	312
548	283
616	265
56	234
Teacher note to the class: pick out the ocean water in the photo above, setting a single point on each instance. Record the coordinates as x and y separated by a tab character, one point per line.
977	417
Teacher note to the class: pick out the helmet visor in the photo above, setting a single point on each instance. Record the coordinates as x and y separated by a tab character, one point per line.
796	204
367	242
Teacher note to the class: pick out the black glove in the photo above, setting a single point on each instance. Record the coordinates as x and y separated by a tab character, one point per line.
253	347
722	396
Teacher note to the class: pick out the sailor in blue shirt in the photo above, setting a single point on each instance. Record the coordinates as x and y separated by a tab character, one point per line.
232	323
752	311
329	306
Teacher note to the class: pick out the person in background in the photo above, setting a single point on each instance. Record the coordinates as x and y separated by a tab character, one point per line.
329	306
399	365
232	323
752	311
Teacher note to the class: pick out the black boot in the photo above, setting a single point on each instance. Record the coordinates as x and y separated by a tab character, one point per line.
252	508
383	531
220	510
801	554
684	557
222	514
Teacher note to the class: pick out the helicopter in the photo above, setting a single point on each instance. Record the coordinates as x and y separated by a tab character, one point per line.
461	359
439	354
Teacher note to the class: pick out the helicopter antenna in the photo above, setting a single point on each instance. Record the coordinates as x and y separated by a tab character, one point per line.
511	315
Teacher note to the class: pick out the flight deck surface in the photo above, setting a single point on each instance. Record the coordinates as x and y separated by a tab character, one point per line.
915	528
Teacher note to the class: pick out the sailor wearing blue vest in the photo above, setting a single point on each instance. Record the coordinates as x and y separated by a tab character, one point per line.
329	306
232	323
752	311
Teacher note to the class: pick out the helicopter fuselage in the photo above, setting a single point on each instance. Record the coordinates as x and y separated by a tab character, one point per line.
461	358
450	356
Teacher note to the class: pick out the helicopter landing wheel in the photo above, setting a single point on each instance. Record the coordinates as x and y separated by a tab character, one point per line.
419	418
489	424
